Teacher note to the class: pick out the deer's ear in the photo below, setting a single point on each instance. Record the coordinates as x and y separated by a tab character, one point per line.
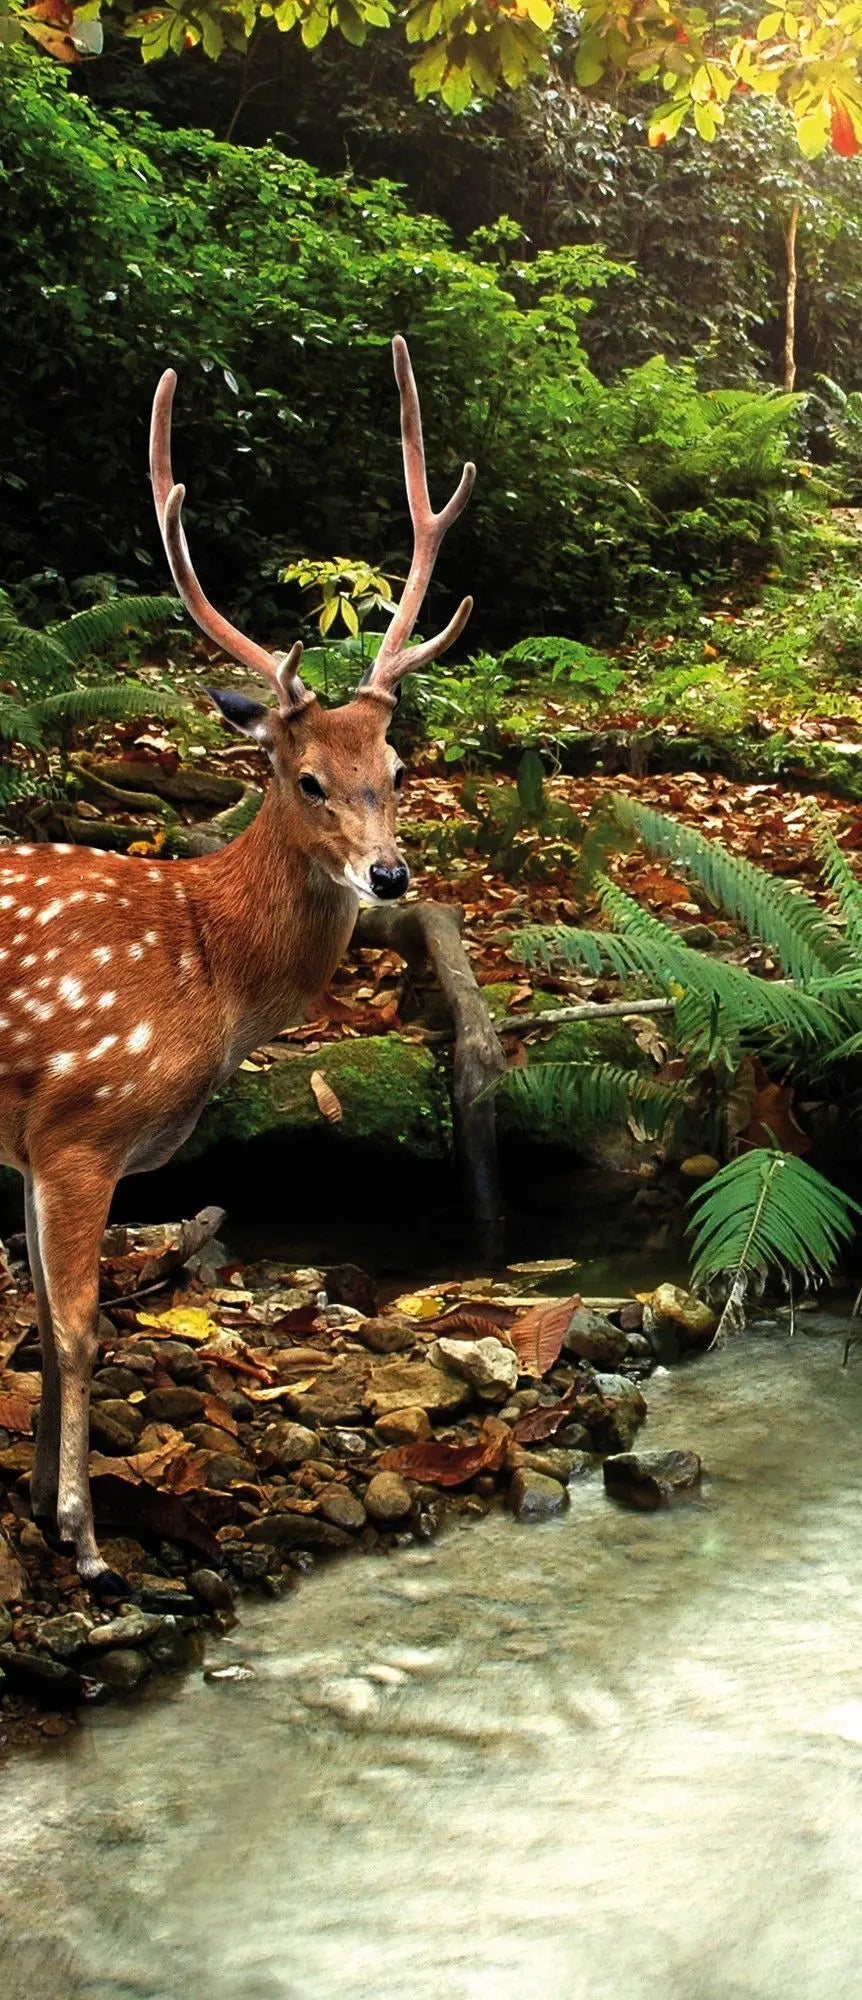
251	718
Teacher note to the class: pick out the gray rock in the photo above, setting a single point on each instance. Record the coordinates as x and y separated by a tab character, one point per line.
649	1479
65	1636
298	1531
6	1622
115	1381
342	1508
124	1669
485	1364
212	1589
172	1648
48	1682
289	1444
387	1498
223	1471
591	1337
390	1335
625	1409
166	1594
173	1406
133	1628
547	1459
115	1426
417	1385
534	1497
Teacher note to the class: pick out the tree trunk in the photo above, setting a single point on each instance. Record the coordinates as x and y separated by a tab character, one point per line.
789	375
430	932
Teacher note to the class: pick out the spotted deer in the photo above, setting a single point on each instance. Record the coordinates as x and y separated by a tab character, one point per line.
130	989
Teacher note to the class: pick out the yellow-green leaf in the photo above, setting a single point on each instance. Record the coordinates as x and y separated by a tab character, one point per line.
769	26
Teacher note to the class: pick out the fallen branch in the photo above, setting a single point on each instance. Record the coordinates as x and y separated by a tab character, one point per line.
430	933
585	1010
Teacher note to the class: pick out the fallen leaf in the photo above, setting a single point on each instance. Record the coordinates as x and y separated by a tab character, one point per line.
420	1305
545	1421
538	1336
16	1414
450	1464
475	1326
181	1323
324	1097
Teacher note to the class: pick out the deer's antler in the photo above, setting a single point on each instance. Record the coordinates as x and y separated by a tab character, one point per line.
396	657
278	668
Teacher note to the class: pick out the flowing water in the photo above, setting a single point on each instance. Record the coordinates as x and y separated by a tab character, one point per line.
609	1758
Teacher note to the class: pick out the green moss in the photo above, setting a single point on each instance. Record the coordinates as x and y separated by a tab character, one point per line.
391	1092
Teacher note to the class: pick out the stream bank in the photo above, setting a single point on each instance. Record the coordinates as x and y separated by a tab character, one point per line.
268	1418
615	1754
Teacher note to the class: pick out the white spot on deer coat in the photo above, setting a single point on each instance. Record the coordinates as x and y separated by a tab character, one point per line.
51	910
106	1000
72	992
102	953
62	1062
101	1048
140	1038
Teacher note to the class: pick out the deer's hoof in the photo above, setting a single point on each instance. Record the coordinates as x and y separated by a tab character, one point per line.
106	1583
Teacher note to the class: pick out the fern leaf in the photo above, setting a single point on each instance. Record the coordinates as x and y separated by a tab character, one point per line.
768	1208
108	702
840	880
785	919
87	632
591	1093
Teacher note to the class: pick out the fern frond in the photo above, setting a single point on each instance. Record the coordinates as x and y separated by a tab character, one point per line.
87	632
713	998
108	702
592	1093
785	919
768	1208
840	879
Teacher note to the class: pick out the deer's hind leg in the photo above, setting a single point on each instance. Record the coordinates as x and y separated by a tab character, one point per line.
45	1477
71	1198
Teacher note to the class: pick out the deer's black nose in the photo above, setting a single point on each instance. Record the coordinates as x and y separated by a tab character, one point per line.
388	882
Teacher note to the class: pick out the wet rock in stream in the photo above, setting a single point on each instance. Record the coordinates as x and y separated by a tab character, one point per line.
649	1479
242	1432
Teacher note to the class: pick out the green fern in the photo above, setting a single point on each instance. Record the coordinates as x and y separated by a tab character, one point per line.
592	1093
840	880
714	1000
32	656
108	701
785	919
767	1209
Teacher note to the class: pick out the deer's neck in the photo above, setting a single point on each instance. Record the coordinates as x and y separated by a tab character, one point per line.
272	925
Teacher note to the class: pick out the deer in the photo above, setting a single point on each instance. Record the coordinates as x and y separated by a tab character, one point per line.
132	988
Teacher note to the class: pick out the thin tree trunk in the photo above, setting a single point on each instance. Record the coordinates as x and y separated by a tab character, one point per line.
790	299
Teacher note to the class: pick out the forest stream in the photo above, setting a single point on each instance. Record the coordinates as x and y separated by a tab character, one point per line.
612	1755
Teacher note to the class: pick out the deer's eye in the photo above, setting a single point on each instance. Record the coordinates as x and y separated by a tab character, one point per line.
398	777
311	788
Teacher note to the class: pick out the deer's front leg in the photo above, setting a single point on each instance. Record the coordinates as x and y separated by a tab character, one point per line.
43	1483
71	1201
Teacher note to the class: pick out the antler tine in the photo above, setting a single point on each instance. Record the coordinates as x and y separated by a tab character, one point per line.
279	669
395	657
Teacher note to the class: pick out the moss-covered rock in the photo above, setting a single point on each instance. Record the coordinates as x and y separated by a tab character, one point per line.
391	1092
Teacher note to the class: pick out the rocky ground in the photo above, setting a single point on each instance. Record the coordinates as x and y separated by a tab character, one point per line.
248	1423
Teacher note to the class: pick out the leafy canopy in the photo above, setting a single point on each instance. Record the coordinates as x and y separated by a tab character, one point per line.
806	54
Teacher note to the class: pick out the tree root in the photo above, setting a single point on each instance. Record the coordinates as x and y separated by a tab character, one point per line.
430	933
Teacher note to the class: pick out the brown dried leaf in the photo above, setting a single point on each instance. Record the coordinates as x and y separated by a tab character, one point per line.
450	1464
324	1097
217	1413
16	1413
538	1336
545	1421
475	1326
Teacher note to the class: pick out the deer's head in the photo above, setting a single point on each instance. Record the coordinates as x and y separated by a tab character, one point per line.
338	778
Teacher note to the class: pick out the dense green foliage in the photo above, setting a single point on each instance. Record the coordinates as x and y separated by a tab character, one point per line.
275	290
764	1210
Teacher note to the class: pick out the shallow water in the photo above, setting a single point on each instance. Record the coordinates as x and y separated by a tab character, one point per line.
614	1756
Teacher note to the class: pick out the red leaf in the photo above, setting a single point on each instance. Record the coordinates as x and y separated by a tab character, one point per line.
16	1413
462	1325
538	1337
545	1421
450	1464
844	140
